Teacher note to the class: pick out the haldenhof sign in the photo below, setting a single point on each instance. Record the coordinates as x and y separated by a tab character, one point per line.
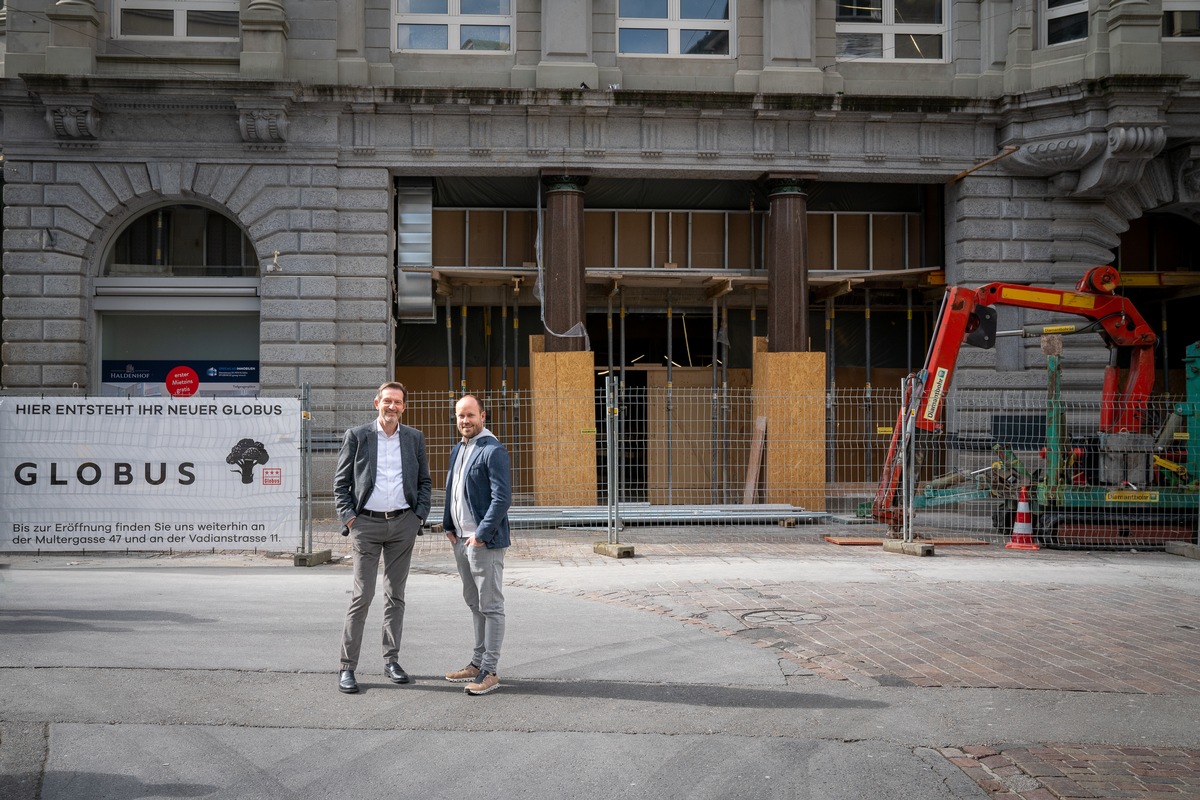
105	473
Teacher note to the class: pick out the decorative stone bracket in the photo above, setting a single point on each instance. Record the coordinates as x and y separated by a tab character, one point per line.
263	124
1188	161
73	118
1091	164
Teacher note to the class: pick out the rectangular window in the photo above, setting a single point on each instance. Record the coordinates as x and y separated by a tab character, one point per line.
675	27
892	30
1181	20
454	25
165	19
1064	21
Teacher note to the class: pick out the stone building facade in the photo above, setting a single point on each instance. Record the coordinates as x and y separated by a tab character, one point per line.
362	149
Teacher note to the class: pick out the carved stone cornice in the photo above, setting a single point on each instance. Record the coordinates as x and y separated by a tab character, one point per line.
1092	163
73	119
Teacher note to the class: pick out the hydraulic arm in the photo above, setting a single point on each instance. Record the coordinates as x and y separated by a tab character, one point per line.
968	316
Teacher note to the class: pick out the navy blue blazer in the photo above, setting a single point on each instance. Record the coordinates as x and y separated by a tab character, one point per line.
489	490
355	476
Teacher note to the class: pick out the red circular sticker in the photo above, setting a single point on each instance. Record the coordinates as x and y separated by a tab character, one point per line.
182	382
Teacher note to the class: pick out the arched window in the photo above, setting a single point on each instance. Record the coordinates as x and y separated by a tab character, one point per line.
182	241
177	295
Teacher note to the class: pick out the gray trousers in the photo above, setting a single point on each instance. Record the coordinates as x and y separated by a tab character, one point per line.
392	541
482	573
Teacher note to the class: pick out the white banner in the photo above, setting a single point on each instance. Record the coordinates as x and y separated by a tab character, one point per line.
105	473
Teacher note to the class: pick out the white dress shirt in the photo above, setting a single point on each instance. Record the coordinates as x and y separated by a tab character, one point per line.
388	494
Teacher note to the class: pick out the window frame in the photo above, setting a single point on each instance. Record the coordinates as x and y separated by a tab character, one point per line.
1169	6
179	19
1046	14
888	31
454	20
674	25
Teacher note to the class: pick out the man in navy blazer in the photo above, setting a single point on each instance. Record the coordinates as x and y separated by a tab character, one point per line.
382	492
478	494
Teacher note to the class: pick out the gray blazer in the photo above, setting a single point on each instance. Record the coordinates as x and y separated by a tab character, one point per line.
355	476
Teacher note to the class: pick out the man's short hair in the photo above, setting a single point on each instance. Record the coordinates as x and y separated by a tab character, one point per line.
392	385
478	402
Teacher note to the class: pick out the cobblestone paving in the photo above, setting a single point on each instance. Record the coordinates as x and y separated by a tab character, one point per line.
1053	771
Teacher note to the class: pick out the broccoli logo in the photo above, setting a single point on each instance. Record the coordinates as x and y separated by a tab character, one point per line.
244	455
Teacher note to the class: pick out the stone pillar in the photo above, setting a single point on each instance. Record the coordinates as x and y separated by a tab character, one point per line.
351	27
264	40
563	271
1135	37
789	38
74	31
567	61
787	264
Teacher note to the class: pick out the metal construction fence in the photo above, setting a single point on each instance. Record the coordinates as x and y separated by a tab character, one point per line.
706	459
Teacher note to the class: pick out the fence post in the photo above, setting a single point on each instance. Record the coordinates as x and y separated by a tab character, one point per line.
306	441
907	448
610	434
613	546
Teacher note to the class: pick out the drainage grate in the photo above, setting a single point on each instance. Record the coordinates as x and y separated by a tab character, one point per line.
781	616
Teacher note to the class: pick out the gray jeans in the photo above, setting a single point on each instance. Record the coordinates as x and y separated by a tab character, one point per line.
482	573
392	540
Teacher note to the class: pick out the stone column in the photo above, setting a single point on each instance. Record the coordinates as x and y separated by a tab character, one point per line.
264	40
789	38
567	61
351	26
563	271
787	264
74	31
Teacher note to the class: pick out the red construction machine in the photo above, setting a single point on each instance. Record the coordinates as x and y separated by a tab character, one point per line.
1131	492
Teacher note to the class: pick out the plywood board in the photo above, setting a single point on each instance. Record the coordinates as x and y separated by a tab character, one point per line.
790	387
598	239
563	420
449	238
485	238
708	240
887	241
750	491
680	440
852	242
820	241
520	234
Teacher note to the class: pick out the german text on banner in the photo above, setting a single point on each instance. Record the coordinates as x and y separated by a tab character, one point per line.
105	473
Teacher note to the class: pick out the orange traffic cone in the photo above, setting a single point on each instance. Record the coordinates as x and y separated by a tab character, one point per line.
1022	534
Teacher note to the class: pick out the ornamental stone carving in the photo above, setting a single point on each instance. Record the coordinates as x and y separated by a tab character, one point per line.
1052	156
1092	164
1130	148
263	125
74	119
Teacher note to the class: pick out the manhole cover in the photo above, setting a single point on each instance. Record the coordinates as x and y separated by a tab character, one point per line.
781	616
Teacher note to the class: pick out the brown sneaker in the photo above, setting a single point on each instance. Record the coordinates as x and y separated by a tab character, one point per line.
468	673
486	682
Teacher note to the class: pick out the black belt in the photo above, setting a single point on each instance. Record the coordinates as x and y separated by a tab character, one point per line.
384	514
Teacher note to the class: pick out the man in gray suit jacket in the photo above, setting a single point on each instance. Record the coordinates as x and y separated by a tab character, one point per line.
382	492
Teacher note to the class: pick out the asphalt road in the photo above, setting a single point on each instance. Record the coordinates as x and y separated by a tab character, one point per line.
214	676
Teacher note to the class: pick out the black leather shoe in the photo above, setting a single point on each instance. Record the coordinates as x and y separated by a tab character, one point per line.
346	682
395	672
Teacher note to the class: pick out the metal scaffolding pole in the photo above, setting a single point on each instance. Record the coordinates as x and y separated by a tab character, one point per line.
504	362
450	355
462	369
713	450
723	339
670	374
